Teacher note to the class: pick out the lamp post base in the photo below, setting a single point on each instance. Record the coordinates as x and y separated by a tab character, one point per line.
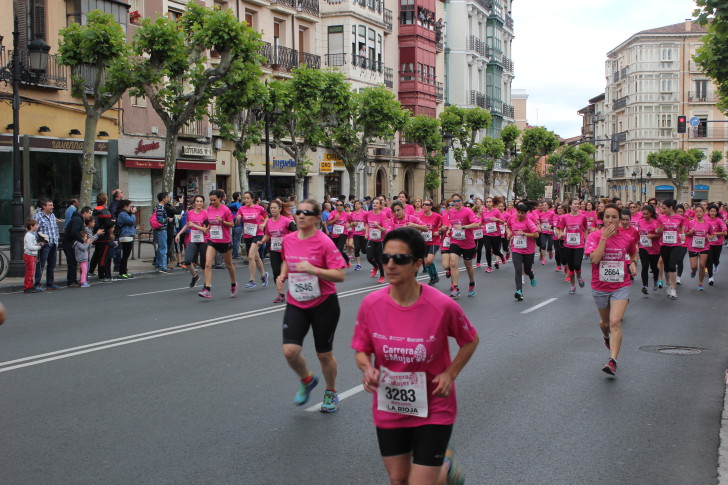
17	265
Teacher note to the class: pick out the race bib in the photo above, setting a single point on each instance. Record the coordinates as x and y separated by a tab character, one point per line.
276	243
215	232
338	229
699	242
503	230
250	229
427	236
645	241
446	242
611	271
713	238
477	233
519	242
669	237
303	286
458	234
196	236
402	392
545	226
573	238
375	234
359	227
491	227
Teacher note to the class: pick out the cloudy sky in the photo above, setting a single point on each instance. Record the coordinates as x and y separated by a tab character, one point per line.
560	48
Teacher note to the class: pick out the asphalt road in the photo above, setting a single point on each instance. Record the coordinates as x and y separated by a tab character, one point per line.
144	382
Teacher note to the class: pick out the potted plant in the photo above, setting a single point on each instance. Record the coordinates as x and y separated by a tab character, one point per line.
135	16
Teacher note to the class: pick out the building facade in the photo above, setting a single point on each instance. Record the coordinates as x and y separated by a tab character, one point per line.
651	79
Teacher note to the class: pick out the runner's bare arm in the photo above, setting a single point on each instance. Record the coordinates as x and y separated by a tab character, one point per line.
444	381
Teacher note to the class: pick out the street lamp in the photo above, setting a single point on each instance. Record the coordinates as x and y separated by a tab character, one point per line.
30	74
642	180
447	143
267	117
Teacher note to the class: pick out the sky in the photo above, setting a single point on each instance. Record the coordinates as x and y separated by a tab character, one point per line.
560	48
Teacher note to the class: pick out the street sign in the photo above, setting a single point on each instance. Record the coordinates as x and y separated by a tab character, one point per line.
694	121
549	191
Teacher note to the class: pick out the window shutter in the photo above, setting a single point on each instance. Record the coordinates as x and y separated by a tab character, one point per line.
38	19
20	8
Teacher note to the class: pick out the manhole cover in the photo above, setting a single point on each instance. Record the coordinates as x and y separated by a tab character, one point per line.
672	349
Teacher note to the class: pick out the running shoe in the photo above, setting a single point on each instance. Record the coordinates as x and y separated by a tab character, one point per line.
348	265
606	342
104	280
431	282
373	273
471	289
357	267
677	280
454	291
488	269
518	295
644	290
496	266
264	279
673	294
654	288
121	277
233	290
700	287
692	273
659	284
85	285
572	290
455	475
129	276
711	281
380	280
551	254
280	298
250	284
477	265
567	279
581	282
205	293
715	269
331	401
304	391
533	281
194	281
447	273
437	279
611	367
508	255
558	269
164	270
543	262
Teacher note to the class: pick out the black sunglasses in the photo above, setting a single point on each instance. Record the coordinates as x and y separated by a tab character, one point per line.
307	213
427	204
456	200
339	205
399	259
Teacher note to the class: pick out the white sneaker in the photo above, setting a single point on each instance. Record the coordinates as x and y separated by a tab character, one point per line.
523	279
673	294
677	280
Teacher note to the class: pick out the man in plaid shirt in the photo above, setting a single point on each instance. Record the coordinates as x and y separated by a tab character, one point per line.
48	226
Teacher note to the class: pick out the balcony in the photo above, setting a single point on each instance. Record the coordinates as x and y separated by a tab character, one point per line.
719	133
389	77
702	97
508	65
194	129
509	22
286	59
284	6
621	137
476	45
476	98
620	104
54	77
308	10
623	73
618	173
495	106
440	92
364	62
387	19
615	77
509	111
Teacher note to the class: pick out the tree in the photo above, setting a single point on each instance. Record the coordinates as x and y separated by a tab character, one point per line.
677	165
100	74
425	132
493	150
572	166
715	158
312	103
536	142
712	56
464	124
535	186
172	69
375	114
509	136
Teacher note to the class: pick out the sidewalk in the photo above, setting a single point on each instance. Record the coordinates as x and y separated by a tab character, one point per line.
137	267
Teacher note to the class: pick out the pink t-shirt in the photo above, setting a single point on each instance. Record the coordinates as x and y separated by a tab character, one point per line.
546	221
651	245
371	219
631	232
616	257
462	217
412	339
703	232
358	219
488	217
672	227
198	218
635	219
320	251
575	229
252	215
277	229
342	219
526	225
718	226
409	209
219	232
591	218
433	223
404	221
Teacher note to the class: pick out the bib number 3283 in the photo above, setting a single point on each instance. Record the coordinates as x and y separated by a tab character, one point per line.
402	393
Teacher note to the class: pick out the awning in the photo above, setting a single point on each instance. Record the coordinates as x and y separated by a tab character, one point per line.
182	163
702	187
665	188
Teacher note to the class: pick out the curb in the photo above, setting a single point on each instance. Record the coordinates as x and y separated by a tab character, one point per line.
723	439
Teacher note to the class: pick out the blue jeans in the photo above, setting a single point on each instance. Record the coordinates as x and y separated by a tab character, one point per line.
237	236
160	235
46	255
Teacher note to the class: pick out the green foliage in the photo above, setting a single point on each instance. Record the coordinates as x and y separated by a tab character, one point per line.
464	124
715	158
677	164
712	56
535	185
535	143
510	134
425	132
575	161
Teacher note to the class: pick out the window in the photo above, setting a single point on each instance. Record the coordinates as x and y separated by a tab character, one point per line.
407	12
76	10
139	101
408	72
336	40
701	90
666	85
250	18
666	54
665	121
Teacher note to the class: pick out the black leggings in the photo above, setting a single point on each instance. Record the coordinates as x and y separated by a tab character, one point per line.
275	264
649	262
360	245
559	250
713	258
524	261
126	249
572	258
427	443
670	257
492	246
547	242
374	255
341	245
479	243
323	318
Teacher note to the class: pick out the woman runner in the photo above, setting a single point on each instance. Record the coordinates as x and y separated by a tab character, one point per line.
649	246
196	230
546	225
521	233
377	223
254	218
573	228
358	225
698	232
413	402
279	225
462	222
716	242
670	229
613	256
433	221
339	221
220	224
445	238
492	218
313	264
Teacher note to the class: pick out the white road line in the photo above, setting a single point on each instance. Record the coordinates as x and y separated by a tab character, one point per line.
159	291
550	300
342	396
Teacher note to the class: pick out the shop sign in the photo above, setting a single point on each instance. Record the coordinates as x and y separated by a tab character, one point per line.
326	167
198	151
332	157
54	143
145	147
291	163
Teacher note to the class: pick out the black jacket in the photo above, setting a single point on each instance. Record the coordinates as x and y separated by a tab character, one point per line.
74	228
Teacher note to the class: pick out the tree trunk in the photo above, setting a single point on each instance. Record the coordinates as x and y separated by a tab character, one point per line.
88	169
463	178
487	181
243	173
353	189
170	159
300	179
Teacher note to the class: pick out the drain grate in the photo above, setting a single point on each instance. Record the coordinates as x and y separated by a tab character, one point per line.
672	349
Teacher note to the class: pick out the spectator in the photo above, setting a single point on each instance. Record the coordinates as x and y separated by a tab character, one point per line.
116	196
75	226
31	246
160	234
81	249
48	227
72	208
104	243
126	228
173	213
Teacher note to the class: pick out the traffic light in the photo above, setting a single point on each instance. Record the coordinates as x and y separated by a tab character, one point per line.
681	124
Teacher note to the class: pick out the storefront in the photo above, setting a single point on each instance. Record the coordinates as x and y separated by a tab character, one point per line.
700	192
664	192
282	172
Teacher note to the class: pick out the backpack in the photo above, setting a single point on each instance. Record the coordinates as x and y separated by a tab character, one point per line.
154	222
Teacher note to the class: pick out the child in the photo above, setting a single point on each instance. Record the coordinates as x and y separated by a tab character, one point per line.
81	250
31	246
